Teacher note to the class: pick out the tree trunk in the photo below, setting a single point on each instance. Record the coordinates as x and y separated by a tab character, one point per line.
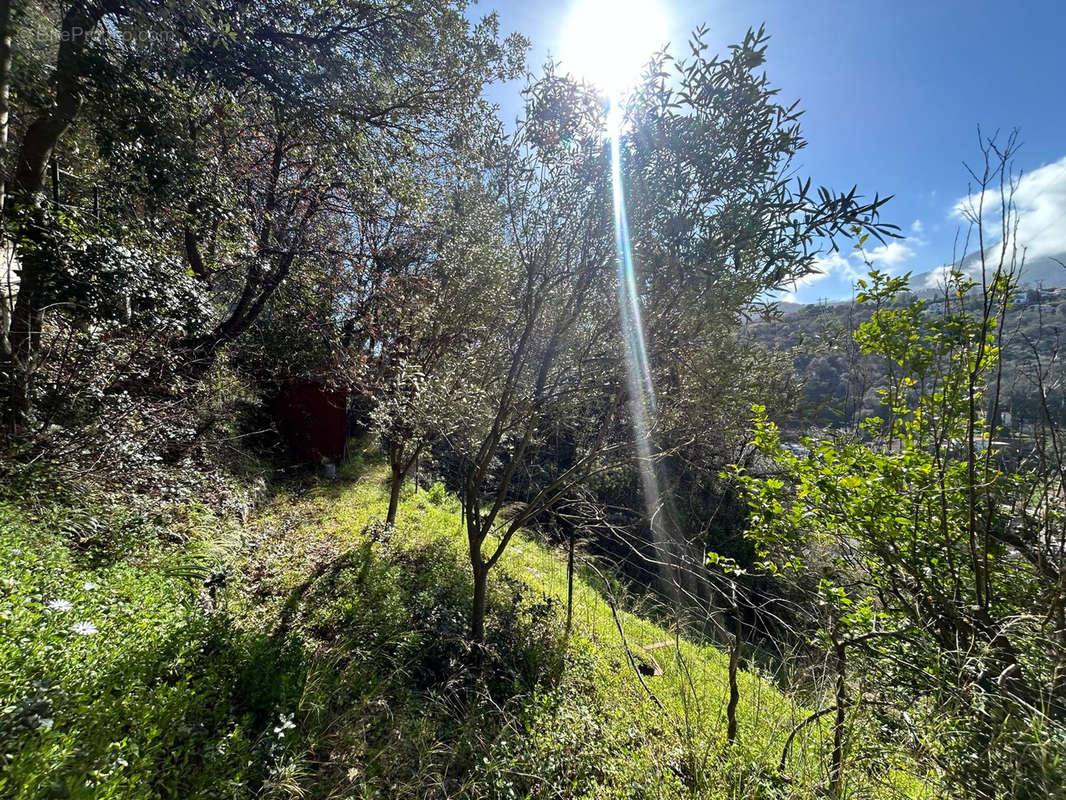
5	94
394	494
477	611
38	143
734	686
43	133
836	768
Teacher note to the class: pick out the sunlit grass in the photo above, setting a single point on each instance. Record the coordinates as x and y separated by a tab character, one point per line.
681	710
332	662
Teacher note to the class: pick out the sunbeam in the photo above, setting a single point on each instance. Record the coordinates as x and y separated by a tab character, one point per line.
643	405
609	42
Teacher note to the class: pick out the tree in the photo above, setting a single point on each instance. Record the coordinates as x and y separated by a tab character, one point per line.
937	562
715	219
711	228
428	321
249	135
541	349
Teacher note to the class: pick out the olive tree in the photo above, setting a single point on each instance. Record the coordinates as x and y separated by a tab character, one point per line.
241	139
546	346
714	220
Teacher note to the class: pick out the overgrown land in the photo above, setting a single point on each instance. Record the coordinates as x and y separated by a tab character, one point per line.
358	444
314	652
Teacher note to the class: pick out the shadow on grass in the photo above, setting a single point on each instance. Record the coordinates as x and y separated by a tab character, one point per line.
323	578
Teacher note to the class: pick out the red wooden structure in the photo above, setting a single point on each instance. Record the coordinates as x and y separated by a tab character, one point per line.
313	420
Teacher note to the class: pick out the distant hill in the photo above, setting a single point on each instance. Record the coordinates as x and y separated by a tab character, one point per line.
840	383
1048	271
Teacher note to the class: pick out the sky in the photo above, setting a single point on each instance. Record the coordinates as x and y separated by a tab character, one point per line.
893	94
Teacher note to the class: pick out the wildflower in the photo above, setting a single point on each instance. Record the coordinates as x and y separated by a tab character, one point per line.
59	605
83	628
88	586
285	724
45	723
16	551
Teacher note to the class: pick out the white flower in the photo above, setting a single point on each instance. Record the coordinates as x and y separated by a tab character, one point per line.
45	723
59	605
16	551
88	586
285	724
83	628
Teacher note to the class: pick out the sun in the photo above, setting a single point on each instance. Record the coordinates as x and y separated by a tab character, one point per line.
608	42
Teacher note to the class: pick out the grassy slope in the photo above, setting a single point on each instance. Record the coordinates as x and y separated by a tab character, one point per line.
680	742
334	664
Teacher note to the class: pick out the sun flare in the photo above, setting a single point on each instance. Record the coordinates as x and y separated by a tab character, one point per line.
608	42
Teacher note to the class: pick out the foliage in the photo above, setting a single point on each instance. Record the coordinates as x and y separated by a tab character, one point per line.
918	528
245	195
839	383
117	682
218	166
395	708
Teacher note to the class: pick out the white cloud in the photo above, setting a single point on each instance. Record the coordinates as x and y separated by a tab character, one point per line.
843	268
828	265
1040	200
886	256
935	278
833	264
917	228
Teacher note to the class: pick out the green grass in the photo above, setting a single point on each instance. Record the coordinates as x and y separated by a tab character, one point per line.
115	683
593	699
334	663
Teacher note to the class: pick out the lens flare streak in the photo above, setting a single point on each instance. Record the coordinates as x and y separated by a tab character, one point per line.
643	405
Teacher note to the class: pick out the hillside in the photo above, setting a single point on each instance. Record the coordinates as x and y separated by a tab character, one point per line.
314	653
391	407
840	384
1046	271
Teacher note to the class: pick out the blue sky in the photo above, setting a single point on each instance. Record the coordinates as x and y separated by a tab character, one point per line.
893	93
